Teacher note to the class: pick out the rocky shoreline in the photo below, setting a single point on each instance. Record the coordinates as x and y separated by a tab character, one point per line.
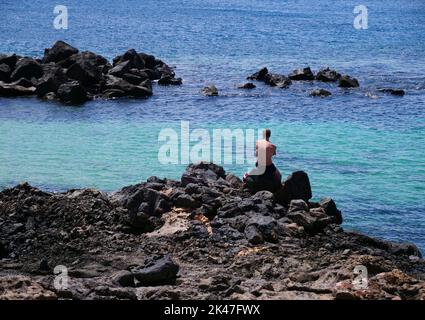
203	237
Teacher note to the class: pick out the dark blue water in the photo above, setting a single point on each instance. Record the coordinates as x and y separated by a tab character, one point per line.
363	148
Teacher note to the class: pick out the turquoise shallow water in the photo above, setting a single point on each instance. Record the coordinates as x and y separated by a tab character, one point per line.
364	150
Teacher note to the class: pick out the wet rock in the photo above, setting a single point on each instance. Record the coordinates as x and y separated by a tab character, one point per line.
9	59
131	59
148	59
50	96
124	278
25	83
27	68
142	90
133	78
163	69
247	85
260	75
11	90
5	72
161	272
130	75
152	74
54	76
60	51
277	80
394	92
168	80
113	93
296	186
328	75
72	92
301	74
320	93
85	72
121	68
86	58
210	90
348	82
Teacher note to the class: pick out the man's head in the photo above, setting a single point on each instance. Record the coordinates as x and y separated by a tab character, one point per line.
266	134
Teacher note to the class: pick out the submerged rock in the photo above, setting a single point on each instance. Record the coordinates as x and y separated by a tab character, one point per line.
301	74
168	80
327	75
348	82
260	75
394	92
247	85
12	90
144	89
320	93
210	91
72	92
277	80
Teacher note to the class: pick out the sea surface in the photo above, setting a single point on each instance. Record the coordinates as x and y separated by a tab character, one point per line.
364	149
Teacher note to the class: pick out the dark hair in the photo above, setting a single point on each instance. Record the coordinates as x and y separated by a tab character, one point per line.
267	133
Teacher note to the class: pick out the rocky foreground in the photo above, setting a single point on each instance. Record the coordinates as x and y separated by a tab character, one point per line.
203	237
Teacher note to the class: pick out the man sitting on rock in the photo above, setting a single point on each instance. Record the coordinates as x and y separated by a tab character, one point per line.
265	176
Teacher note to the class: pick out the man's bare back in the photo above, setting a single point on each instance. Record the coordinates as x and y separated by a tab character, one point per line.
265	150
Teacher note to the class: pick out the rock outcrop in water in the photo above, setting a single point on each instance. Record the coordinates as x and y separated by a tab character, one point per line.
73	77
305	74
203	237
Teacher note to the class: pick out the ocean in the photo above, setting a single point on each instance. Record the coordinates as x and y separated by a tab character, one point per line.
362	148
